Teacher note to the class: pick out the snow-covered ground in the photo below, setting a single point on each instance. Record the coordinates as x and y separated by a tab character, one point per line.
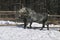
2	22
16	33
33	25
19	33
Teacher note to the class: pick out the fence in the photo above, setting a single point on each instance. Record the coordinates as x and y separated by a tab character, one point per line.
7	15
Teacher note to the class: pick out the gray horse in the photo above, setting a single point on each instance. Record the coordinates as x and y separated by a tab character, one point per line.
27	13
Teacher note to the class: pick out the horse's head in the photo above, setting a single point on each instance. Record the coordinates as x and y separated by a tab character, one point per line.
23	12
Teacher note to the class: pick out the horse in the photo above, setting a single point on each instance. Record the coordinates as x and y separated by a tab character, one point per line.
27	13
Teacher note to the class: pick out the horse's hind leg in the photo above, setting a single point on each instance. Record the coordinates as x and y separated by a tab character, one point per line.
43	26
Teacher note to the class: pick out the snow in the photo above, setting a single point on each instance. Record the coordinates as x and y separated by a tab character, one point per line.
34	24
16	33
6	22
2	22
19	33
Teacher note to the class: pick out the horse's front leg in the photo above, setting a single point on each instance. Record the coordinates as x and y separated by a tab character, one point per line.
47	26
25	22
31	24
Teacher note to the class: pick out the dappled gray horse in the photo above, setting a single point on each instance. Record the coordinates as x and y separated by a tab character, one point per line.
27	13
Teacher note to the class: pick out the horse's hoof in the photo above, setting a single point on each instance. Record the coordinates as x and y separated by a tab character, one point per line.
24	27
47	29
41	29
30	27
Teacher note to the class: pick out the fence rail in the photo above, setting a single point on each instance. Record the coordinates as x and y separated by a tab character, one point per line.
54	15
7	11
14	13
48	15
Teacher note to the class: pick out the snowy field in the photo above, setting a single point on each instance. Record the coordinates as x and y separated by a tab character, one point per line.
33	25
19	33
16	33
